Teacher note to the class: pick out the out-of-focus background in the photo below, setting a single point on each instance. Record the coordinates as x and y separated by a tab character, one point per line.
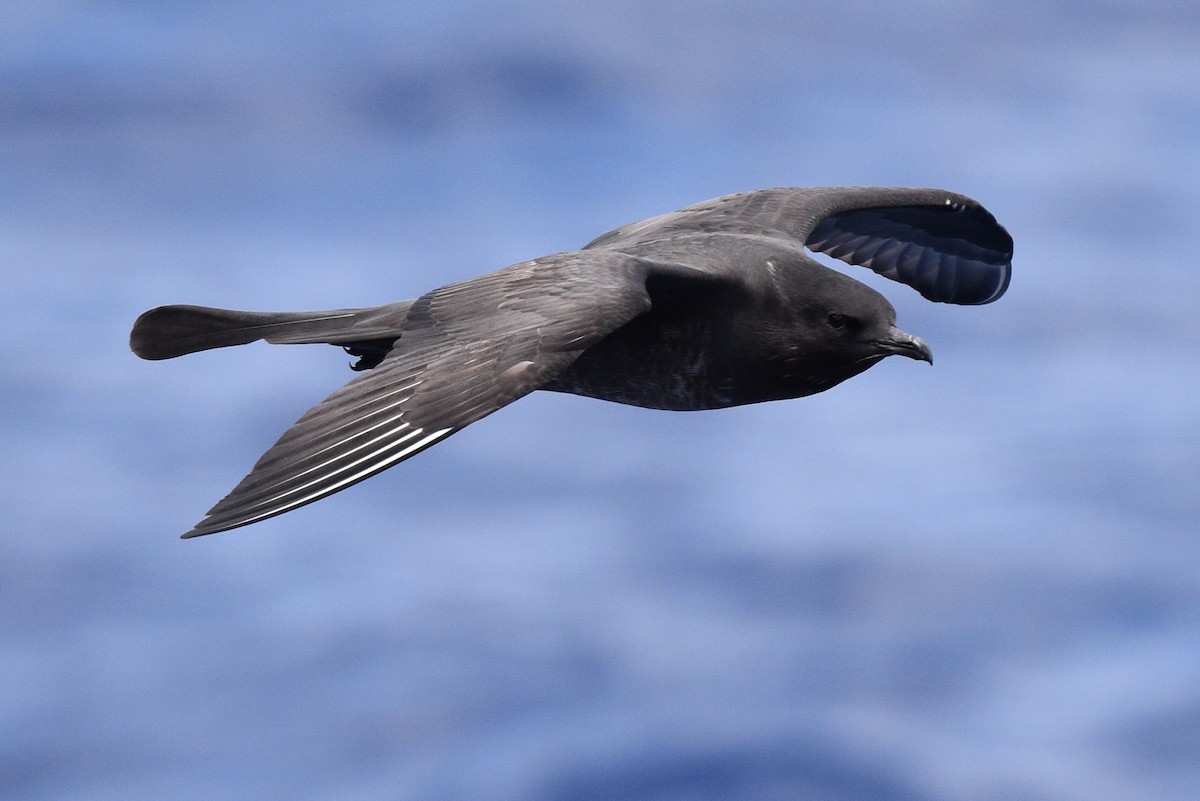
979	580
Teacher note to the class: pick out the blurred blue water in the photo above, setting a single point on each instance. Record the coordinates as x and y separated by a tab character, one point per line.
980	580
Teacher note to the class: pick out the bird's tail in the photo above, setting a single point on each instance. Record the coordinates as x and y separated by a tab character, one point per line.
170	331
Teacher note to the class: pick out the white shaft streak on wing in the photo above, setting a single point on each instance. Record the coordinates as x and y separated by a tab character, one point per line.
290	477
373	465
313	458
354	421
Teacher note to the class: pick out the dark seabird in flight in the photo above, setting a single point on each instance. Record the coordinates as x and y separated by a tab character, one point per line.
715	305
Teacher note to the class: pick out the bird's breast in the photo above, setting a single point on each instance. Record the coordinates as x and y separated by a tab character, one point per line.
656	364
683	385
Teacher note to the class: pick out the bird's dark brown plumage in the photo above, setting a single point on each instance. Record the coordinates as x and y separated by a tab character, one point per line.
711	306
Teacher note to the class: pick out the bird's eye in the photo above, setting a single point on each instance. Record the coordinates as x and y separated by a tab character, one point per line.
837	321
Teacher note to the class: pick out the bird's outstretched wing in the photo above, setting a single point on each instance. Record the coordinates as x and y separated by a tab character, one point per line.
945	245
467	349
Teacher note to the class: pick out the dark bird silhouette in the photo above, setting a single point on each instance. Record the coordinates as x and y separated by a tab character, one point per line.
715	305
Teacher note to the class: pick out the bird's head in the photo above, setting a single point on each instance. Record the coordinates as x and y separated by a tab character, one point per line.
841	327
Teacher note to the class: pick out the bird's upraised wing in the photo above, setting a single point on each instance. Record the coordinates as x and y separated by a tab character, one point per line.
467	349
946	246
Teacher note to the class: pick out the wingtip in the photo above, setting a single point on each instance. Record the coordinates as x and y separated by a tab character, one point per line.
1002	285
199	530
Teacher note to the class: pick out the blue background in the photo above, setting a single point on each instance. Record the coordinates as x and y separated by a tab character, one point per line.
976	581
